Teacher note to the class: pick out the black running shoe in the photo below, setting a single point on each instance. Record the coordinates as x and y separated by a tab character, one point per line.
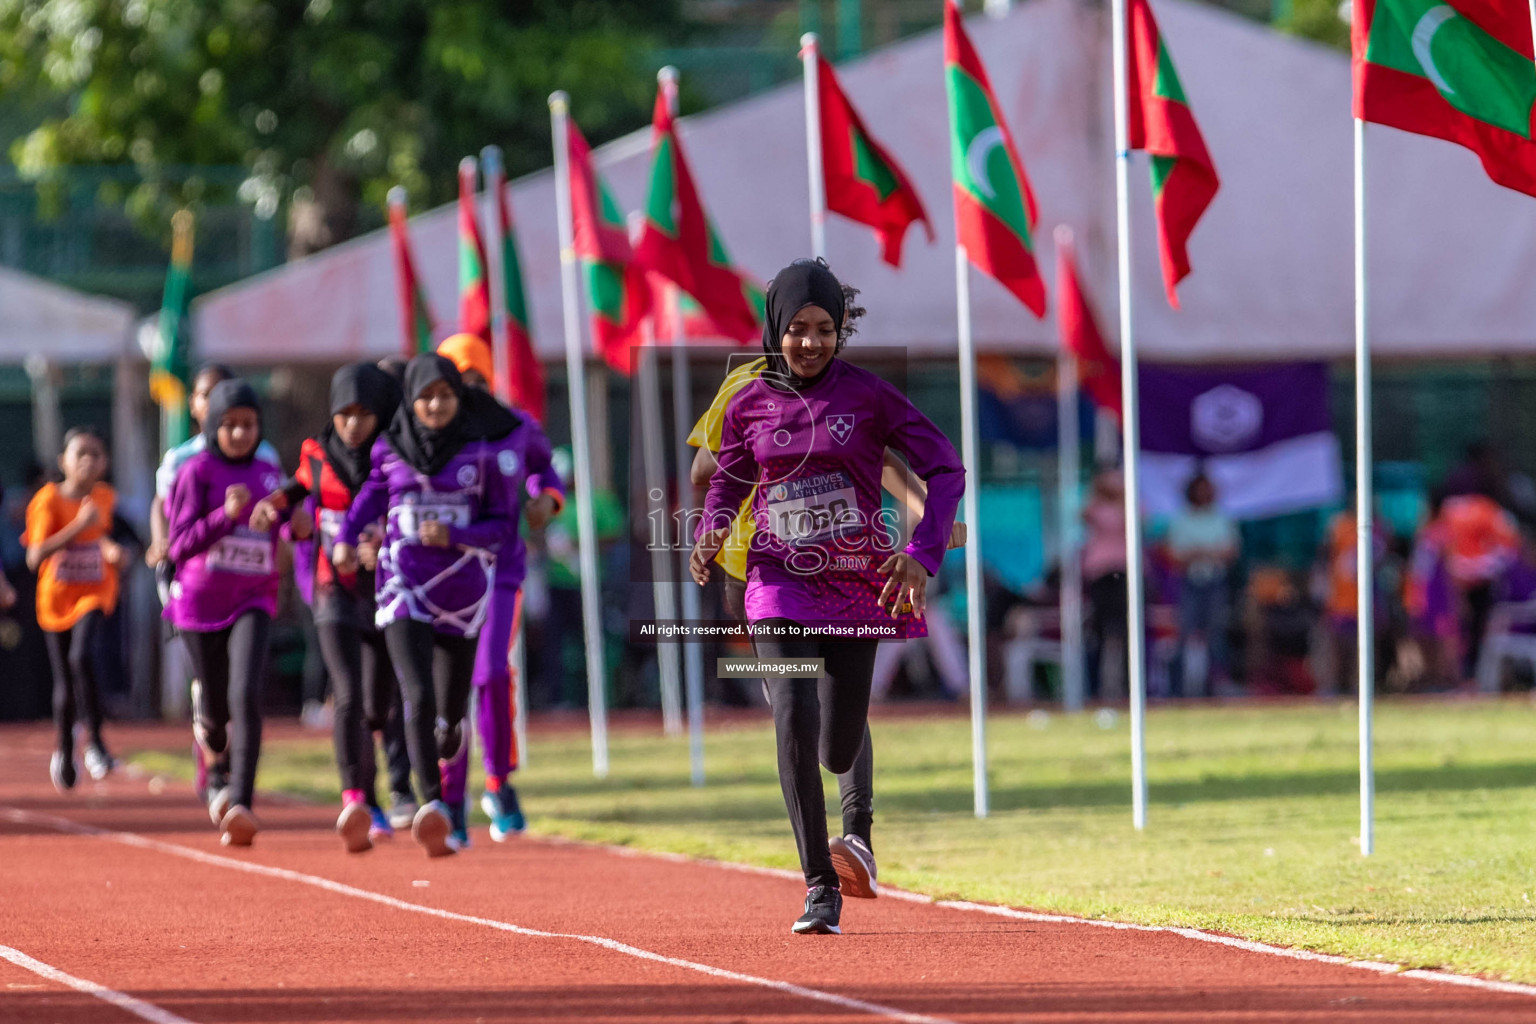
823	910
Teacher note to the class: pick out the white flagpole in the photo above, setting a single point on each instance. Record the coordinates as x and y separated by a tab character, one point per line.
808	57
1068	459
1136	639
682	414
976	632
654	458
1365	554
575	365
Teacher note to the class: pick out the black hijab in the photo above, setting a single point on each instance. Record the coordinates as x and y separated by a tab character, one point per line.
480	417
366	385
802	283
232	393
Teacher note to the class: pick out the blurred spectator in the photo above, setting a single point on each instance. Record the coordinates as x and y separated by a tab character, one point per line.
1204	543
1430	599
1280	633
1104	574
1481	542
1339	571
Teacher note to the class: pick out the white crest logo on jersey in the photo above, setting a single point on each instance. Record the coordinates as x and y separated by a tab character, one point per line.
270	482
840	427
467	476
506	459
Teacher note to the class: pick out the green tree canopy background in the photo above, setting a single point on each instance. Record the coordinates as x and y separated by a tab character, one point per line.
325	103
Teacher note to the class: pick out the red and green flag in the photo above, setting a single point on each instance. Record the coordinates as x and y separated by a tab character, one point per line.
680	244
1098	371
474	285
863	183
519	376
1159	121
170	376
995	212
415	314
616	284
1459	71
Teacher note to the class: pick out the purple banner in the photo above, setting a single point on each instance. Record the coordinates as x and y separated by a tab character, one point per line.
1205	411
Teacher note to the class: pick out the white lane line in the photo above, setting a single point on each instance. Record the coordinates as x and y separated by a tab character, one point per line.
137	1007
340	888
1248	945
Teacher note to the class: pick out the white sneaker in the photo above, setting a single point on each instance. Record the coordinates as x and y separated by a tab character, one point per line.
98	762
432	829
855	864
353	826
238	827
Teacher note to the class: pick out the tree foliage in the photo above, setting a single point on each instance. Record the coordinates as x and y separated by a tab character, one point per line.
325	103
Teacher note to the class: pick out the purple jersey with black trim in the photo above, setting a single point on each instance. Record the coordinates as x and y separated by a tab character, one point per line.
223	567
448	586
816	457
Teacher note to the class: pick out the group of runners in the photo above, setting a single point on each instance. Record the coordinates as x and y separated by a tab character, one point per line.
403	516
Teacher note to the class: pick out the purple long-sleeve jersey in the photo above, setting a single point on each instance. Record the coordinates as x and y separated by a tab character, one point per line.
223	567
816	456
448	586
523	460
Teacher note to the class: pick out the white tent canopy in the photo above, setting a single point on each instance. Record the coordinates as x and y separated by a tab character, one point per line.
40	318
1450	251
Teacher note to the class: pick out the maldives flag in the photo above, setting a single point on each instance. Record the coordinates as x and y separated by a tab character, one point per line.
863	183
415	315
1459	71
994	206
1098	371
520	378
680	243
616	284
1160	122
474	286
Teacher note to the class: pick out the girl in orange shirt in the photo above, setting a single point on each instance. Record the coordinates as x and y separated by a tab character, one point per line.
76	564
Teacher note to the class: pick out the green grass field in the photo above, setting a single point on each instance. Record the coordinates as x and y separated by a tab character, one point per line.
1252	825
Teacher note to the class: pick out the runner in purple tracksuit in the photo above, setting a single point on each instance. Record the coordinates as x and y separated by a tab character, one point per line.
811	434
449	514
225	592
525	452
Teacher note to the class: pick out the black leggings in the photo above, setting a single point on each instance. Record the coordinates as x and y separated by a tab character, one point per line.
436	672
823	722
73	655
363	687
230	666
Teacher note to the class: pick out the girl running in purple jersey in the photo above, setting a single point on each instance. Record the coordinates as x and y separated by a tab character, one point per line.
822	579
448	511
524	459
225	591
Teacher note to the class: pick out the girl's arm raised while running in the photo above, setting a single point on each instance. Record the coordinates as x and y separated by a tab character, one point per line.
192	530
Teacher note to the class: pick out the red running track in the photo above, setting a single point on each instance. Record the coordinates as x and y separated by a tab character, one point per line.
118	887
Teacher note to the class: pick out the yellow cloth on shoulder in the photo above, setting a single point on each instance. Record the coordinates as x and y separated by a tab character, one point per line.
706	434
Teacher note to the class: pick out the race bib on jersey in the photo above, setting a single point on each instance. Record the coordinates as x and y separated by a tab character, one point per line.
409	515
813	509
82	564
244	552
